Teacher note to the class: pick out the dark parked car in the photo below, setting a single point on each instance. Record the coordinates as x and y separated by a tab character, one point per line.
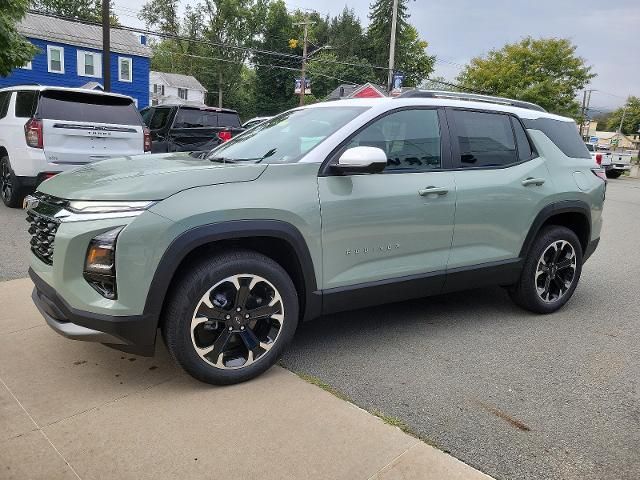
183	128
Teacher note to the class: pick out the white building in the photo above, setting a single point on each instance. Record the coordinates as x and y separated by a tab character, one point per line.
175	88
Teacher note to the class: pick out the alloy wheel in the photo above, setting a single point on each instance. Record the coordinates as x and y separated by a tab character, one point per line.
6	183
237	321
555	271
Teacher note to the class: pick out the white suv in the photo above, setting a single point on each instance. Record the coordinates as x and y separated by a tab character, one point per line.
46	130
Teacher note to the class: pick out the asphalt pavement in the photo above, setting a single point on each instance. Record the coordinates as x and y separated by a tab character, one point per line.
511	393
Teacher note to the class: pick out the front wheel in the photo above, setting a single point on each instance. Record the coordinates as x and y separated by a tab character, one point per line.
613	173
551	271
230	317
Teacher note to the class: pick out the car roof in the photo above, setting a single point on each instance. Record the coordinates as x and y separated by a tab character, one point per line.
389	103
42	88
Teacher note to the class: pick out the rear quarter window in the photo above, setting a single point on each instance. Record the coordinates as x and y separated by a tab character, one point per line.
81	107
26	102
564	134
4	103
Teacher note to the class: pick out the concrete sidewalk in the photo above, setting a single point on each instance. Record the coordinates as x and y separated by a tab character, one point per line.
73	410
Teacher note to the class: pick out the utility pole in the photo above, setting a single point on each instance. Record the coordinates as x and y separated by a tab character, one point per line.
392	44
582	113
303	79
220	89
106	46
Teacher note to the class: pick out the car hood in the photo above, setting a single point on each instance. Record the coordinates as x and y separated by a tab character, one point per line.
145	177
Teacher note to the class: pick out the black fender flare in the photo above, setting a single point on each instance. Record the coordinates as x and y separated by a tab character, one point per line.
196	237
564	206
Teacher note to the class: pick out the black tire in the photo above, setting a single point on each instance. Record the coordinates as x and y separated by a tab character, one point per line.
613	173
187	296
525	293
10	189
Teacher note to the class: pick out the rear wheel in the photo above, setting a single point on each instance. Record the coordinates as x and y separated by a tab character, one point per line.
10	188
613	173
551	271
230	317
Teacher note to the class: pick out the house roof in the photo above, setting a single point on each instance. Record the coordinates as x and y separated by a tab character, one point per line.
69	32
353	91
179	80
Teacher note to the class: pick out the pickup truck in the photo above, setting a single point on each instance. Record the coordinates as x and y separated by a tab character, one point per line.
184	128
614	163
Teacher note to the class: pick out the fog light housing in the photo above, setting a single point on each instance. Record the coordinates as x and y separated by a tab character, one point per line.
100	263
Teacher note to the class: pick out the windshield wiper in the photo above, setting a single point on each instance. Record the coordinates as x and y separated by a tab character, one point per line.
236	160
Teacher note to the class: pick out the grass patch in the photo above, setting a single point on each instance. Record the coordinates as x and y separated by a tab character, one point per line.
325	386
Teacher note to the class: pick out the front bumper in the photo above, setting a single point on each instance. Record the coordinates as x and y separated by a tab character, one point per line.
133	334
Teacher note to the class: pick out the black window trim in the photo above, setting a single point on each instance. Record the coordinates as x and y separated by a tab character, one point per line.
455	148
445	145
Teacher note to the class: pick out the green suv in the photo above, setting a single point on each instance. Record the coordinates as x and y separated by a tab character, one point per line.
331	207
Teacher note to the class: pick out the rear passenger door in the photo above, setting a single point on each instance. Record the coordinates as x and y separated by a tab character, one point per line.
501	182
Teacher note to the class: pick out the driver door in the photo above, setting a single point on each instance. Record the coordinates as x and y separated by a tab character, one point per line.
388	235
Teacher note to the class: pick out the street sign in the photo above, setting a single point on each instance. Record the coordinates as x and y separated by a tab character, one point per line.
396	83
307	90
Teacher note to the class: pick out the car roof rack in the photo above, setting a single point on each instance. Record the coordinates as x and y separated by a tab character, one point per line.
417	93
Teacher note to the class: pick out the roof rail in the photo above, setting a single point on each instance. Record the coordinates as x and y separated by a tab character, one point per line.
417	93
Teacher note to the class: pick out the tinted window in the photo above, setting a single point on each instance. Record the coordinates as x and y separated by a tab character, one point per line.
590	147
410	138
564	134
146	114
485	139
4	103
192	118
226	119
26	104
524	147
85	107
160	118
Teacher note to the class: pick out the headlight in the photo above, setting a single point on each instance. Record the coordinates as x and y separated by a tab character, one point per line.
79	206
100	263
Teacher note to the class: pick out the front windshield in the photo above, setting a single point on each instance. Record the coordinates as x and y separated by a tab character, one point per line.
286	138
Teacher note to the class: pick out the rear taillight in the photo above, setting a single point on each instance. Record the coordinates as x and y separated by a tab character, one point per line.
147	140
33	133
600	172
599	158
225	135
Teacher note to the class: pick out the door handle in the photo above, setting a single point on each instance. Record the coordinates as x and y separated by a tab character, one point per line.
431	190
532	181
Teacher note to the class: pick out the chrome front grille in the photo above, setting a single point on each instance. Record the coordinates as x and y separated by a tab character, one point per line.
43	234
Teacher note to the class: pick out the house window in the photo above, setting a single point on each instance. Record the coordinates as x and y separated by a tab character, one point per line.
183	93
27	66
158	89
89	64
125	69
55	58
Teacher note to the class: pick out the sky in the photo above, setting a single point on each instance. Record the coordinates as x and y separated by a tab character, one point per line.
606	33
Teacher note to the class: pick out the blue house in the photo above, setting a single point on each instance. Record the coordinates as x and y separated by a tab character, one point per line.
71	56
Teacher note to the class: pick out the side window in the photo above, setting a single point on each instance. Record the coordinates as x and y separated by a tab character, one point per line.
4	103
410	138
26	104
485	139
159	119
146	114
524	147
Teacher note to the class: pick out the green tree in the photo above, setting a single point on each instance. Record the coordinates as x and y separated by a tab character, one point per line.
346	35
274	86
410	57
87	10
16	50
545	71
438	83
631	123
327	71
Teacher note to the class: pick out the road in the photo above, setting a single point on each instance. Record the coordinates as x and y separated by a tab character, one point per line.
513	394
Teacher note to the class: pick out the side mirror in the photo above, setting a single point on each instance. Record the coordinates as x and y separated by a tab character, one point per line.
361	160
